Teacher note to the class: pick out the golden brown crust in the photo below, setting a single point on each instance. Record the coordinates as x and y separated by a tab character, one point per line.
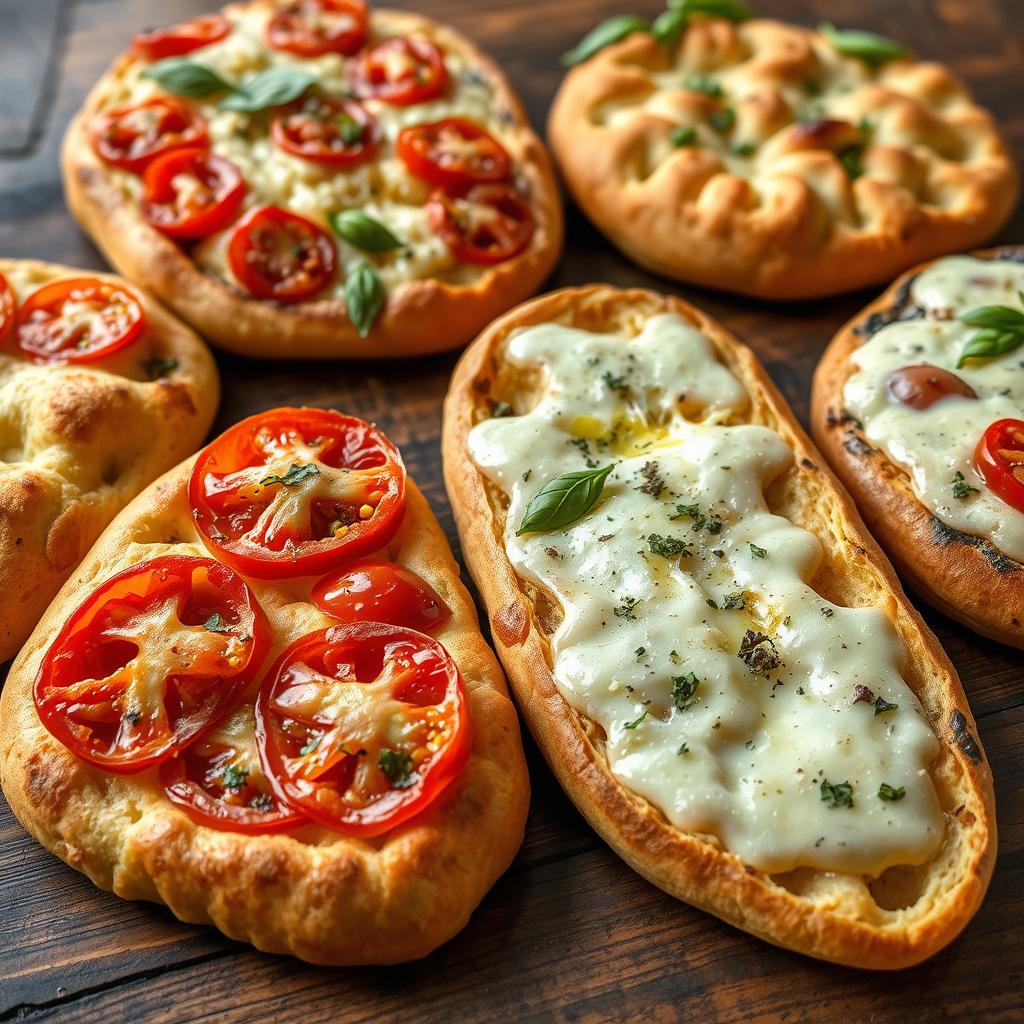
895	921
79	442
321	896
787	221
964	577
420	317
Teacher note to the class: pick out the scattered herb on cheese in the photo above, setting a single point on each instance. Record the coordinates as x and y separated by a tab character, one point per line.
735	601
640	652
295	475
887	792
636	721
364	296
216	624
883	707
683	749
608	32
684	135
758	552
961	488
758	652
397	766
839	794
868	46
722	120
667	547
234	777
1000	330
654	481
827	612
684	690
564	500
626	610
851	158
709	522
615	381
364	232
704	84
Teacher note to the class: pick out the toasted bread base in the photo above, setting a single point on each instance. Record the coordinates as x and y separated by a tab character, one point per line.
894	921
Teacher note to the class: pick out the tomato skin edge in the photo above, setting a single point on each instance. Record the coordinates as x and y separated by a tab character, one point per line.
991	467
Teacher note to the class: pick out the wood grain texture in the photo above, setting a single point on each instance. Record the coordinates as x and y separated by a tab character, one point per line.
570	933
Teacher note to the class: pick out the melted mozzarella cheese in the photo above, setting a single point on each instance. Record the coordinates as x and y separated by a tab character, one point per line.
746	756
935	444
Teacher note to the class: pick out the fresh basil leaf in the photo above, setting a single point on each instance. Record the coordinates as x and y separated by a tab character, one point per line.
990	342
868	46
668	27
608	32
564	500
1004	317
362	231
270	88
364	296
891	793
732	10
186	78
295	475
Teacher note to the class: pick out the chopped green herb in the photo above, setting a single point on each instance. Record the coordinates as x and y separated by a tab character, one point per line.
704	84
311	745
839	794
735	601
709	522
614	381
626	609
892	793
667	547
684	135
851	159
883	707
295	475
758	552
397	766
216	624
683	749
654	481
636	721
757	651
157	368
262	802
684	689
961	488
234	777
743	149
722	120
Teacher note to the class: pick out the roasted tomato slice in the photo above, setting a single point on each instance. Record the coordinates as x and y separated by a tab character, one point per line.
373	591
311	28
327	131
490	224
453	153
191	193
78	320
279	255
8	307
999	458
401	72
159	43
922	386
131	137
297	492
150	661
363	726
219	781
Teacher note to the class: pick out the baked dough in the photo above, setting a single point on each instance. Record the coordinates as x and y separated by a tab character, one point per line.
80	441
966	577
764	206
316	894
427	310
900	918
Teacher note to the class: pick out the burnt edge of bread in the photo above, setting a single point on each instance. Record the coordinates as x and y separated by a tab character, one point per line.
943	535
963	737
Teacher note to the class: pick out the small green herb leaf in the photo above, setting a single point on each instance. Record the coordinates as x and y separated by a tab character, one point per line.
839	794
685	135
397	766
758	552
611	31
883	707
311	746
636	721
362	231
735	601
626	610
723	120
887	792
869	47
731	10
702	83
157	368
667	547
234	777
186	78
564	500
684	689
683	749
295	475
271	88
1000	330
216	624
961	488
364	296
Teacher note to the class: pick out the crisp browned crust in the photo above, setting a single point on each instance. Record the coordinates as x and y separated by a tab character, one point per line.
79	442
321	896
787	222
964	577
897	920
420	317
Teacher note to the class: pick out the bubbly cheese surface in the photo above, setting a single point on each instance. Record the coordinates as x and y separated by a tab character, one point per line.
935	444
666	586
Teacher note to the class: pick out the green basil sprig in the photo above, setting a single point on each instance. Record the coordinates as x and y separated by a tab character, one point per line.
869	46
564	500
608	32
363	232
270	88
364	296
731	10
1000	330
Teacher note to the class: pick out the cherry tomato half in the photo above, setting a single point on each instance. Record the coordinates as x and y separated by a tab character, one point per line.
922	386
452	153
219	781
132	137
999	458
191	193
279	255
401	72
184	38
373	591
363	726
325	130
489	225
311	28
150	661
297	492
8	307
78	320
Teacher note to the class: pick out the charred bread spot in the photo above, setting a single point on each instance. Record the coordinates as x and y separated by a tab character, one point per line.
901	309
842	418
963	737
856	445
807	464
48	779
943	535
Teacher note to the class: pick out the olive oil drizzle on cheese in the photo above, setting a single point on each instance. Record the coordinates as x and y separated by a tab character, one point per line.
733	697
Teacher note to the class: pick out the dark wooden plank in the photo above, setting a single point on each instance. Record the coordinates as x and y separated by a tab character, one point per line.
29	34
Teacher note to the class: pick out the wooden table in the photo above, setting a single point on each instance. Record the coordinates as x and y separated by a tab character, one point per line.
569	933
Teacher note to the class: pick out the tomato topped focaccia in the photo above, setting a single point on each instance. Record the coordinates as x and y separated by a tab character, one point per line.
304	178
101	391
919	404
268	662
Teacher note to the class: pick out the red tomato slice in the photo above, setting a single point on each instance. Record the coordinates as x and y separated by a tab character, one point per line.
184	38
401	72
279	255
150	661
325	130
131	137
490	224
363	726
219	781
297	492
8	307
191	193
78	320
311	28
999	458
372	591
453	153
